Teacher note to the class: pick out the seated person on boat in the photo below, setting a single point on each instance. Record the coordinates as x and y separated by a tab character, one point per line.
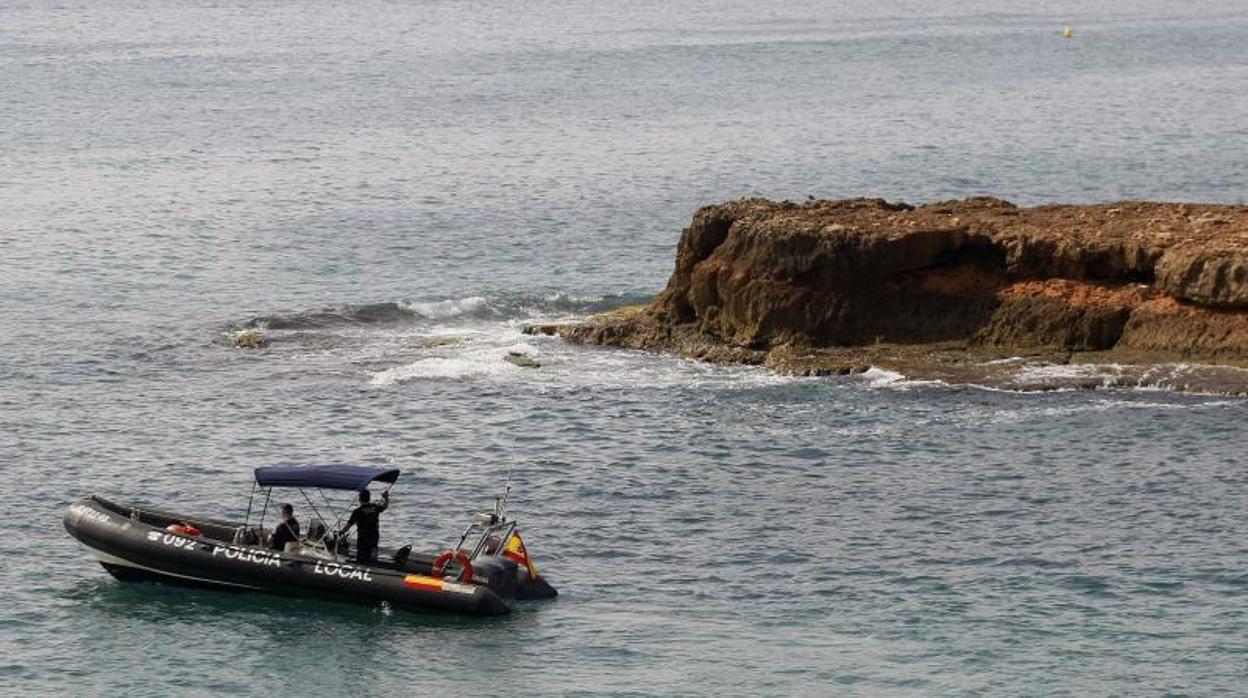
287	530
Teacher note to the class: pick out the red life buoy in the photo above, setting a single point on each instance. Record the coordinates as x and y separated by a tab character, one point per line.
184	529
439	565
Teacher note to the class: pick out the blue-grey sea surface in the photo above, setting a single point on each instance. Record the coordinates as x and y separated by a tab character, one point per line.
392	189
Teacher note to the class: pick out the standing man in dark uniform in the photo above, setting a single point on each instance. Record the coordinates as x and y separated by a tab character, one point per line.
366	518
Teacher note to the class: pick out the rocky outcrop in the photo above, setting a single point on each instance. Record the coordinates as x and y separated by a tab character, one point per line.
762	282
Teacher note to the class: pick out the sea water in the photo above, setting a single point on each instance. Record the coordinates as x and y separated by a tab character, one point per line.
392	189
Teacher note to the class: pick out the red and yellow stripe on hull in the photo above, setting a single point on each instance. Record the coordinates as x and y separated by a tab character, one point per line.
417	581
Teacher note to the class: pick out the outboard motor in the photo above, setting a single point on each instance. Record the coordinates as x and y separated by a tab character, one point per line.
496	572
528	588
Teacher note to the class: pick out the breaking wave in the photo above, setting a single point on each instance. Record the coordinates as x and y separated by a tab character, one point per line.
408	312
444	309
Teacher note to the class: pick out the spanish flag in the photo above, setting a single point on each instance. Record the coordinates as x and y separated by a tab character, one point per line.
515	550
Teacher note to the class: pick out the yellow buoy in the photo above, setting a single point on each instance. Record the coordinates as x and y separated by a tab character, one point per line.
1068	32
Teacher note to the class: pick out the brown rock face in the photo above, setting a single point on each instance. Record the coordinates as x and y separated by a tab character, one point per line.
1169	281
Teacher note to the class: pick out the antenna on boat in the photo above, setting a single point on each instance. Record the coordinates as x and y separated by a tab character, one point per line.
500	501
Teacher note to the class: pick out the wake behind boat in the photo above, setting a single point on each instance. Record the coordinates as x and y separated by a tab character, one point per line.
483	574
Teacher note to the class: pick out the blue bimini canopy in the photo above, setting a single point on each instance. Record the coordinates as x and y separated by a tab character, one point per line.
329	477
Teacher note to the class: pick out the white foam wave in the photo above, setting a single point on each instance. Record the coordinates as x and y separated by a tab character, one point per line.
435	368
445	309
876	377
1039	373
562	297
1031	412
880	377
564	365
486	361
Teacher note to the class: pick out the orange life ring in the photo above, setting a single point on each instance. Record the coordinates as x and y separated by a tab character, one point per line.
439	565
184	529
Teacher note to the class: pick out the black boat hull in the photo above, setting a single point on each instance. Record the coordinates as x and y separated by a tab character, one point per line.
134	550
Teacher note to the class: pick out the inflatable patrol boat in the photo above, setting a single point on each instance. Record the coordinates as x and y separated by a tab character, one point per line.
483	574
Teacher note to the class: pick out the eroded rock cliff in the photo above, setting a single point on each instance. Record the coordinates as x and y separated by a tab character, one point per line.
835	285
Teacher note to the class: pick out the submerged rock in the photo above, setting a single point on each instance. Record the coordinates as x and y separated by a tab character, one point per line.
440	341
824	286
249	339
521	359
